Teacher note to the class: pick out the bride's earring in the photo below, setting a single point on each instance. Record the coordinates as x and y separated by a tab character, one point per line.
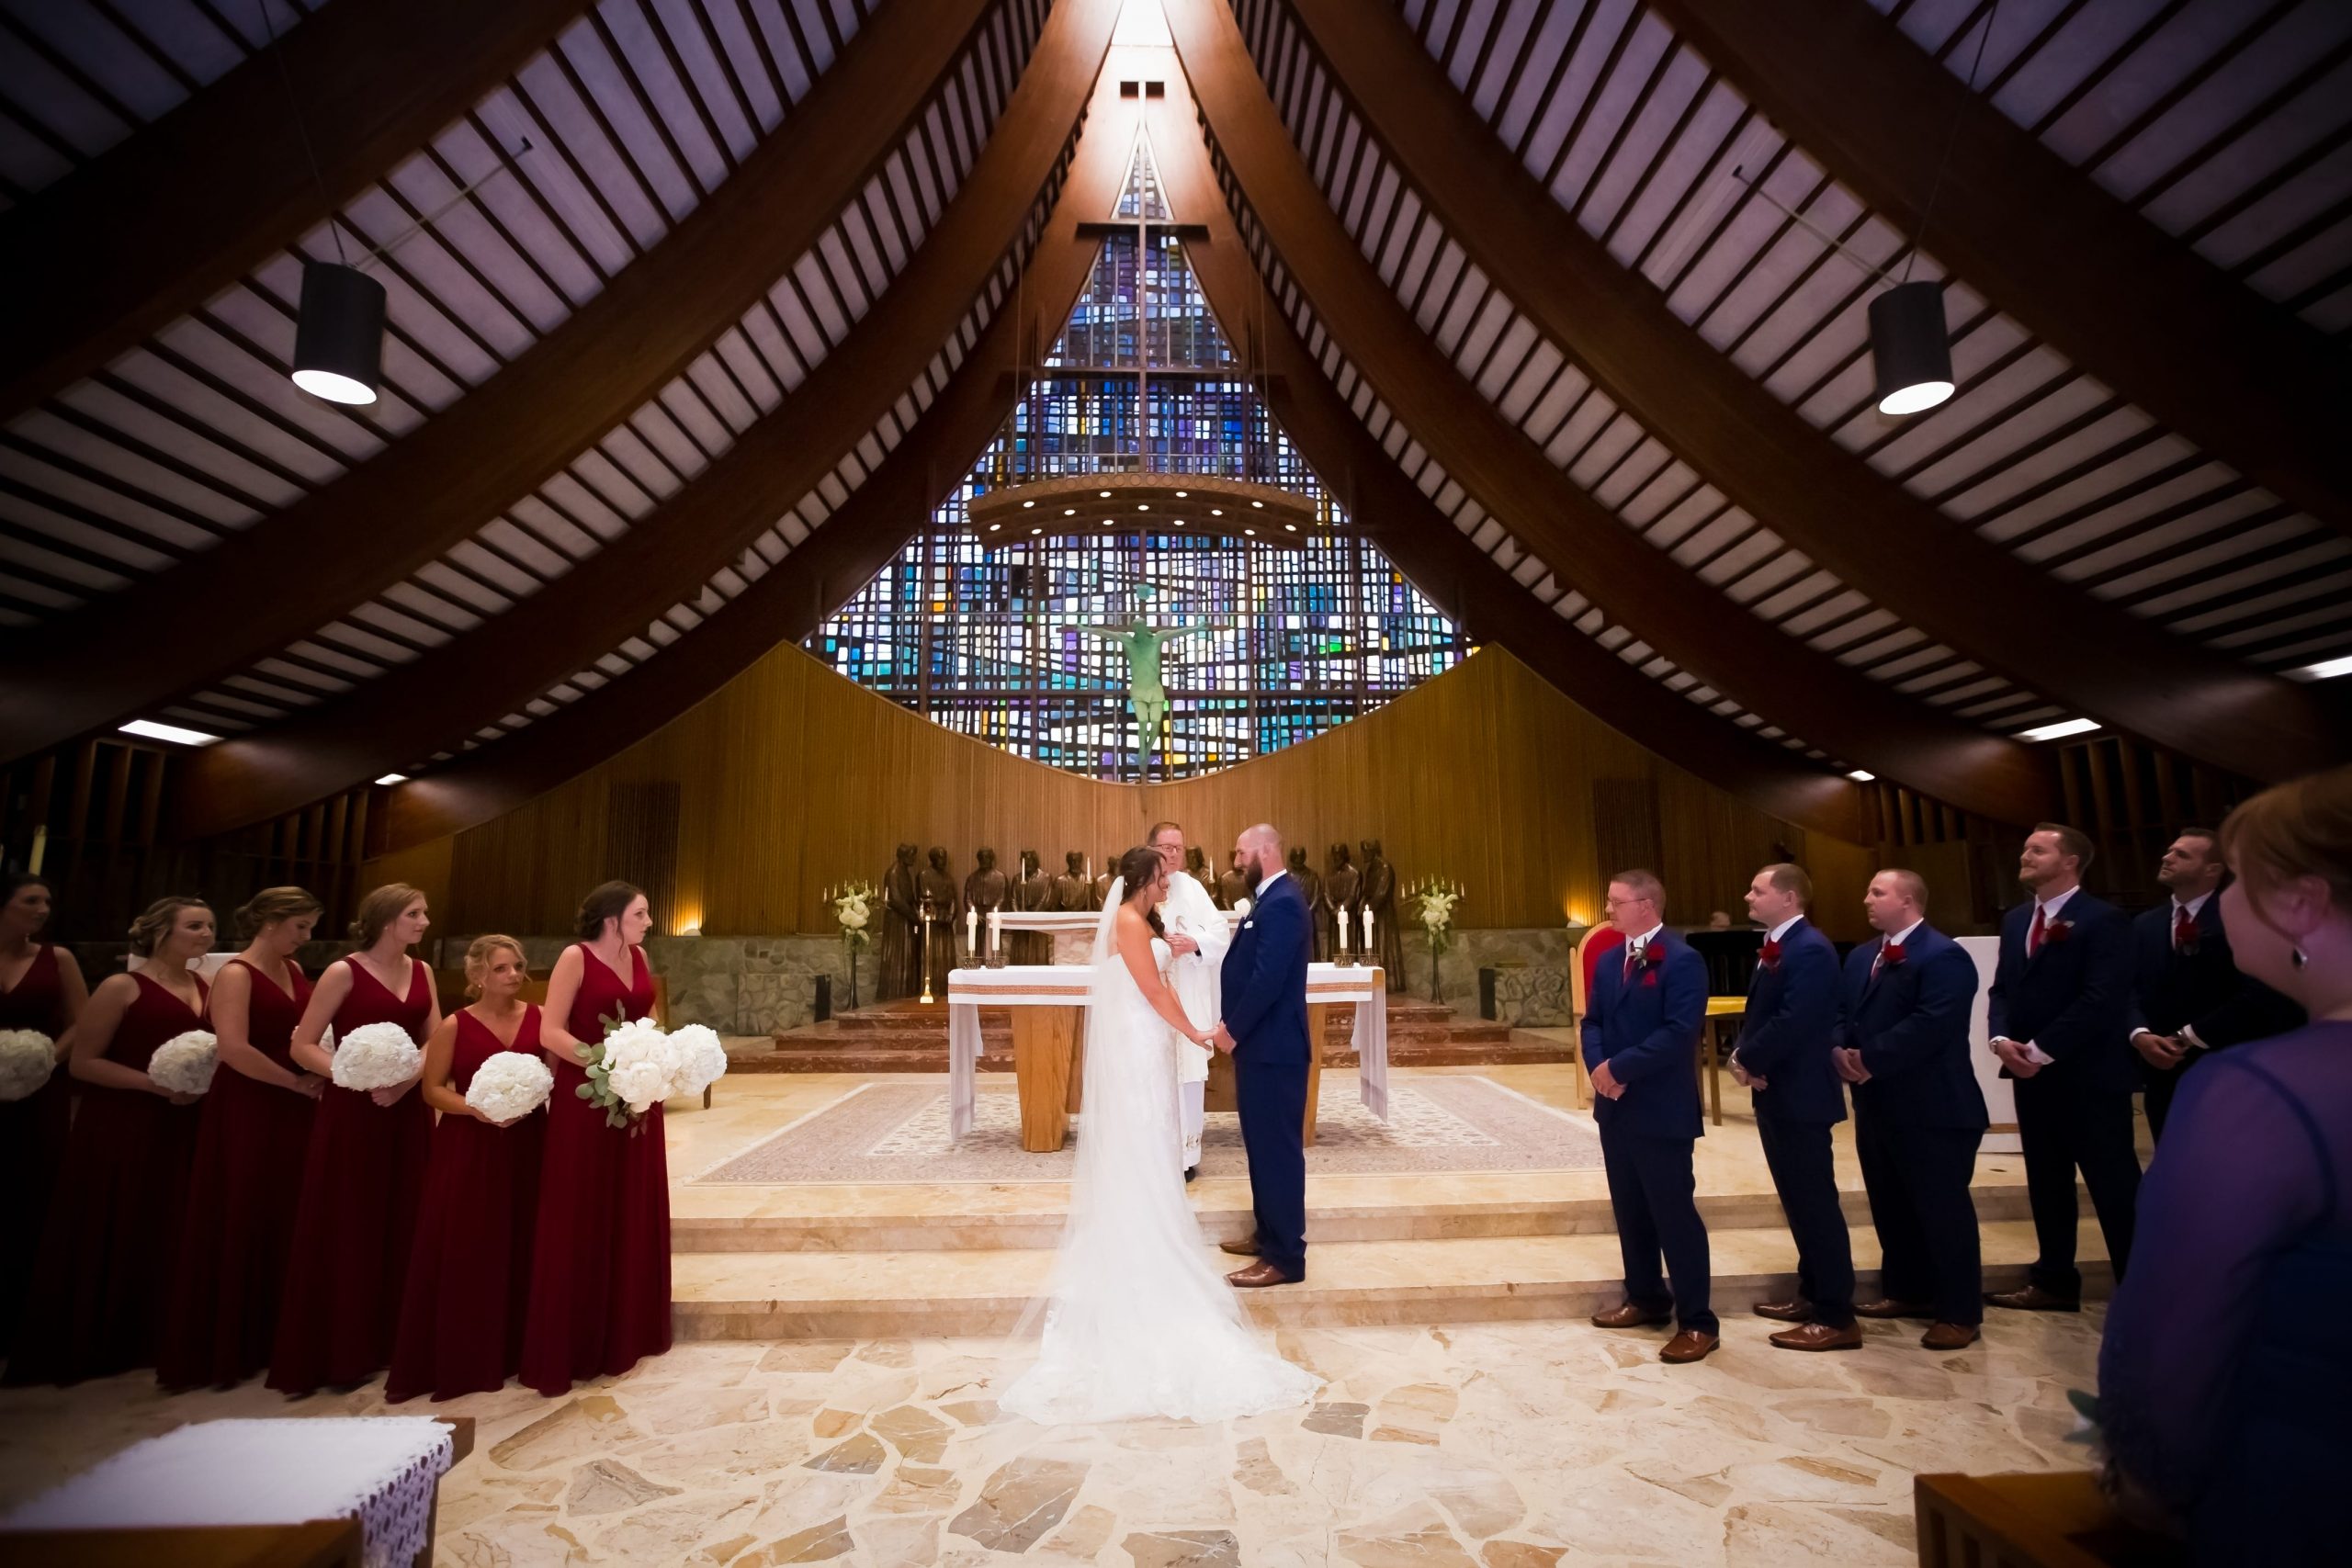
2298	957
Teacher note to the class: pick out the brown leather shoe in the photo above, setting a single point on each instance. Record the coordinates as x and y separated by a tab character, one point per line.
1257	1277
1887	1306
1950	1337
1796	1309
1689	1345
1819	1337
1628	1315
1246	1247
2033	1298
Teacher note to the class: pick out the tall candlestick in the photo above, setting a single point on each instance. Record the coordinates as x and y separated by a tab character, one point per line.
972	933
1367	931
995	940
1342	954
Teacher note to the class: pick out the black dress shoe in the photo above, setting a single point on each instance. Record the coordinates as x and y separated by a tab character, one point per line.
1190	1173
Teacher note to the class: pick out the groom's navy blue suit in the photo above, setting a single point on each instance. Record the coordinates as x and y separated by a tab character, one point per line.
1264	989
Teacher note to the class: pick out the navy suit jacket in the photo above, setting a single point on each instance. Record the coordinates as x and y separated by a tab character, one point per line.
1647	1031
2201	990
1790	1026
2070	997
1263	982
1911	1025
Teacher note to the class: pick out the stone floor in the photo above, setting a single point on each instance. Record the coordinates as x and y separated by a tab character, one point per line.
1499	1444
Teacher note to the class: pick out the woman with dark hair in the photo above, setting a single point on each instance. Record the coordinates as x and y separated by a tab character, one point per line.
600	1265
251	1141
40	990
363	1174
469	1279
106	1253
2224	1376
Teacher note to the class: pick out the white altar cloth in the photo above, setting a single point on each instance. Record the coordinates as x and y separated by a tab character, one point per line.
380	1470
1064	984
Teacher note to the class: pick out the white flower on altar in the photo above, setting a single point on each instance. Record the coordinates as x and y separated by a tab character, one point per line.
637	1063
184	1063
700	1060
376	1055
27	1057
510	1084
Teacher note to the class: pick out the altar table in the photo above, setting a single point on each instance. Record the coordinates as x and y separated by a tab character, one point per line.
1048	1007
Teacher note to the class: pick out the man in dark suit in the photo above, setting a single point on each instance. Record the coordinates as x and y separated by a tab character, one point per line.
1784	1058
1641	1044
1904	1008
2187	996
2055	1014
1263	985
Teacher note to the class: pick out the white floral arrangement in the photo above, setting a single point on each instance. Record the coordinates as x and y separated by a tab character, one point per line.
629	1072
1434	902
509	1084
376	1055
854	911
185	1063
27	1058
700	1060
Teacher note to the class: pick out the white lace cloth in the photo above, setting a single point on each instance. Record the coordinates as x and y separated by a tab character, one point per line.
380	1470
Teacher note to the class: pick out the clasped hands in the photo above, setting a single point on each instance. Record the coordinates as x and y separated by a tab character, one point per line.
1216	1036
1848	1060
2163	1051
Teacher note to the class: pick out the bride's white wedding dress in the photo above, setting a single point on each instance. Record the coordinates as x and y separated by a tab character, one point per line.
1139	1322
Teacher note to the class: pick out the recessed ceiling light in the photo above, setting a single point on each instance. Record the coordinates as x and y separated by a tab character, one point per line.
994	526
393	779
2325	669
1180	522
1104	493
1217	511
1035	532
1291	528
1069	511
1106	522
1259	504
1182	493
1027	505
1862	776
1251	532
1142	507
147	729
2060	730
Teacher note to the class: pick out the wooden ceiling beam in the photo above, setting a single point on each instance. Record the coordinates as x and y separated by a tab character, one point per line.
1830	704
1932	569
668	556
339	547
166	219
2133	305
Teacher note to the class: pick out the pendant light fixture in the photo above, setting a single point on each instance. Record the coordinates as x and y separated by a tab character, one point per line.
1910	348
339	338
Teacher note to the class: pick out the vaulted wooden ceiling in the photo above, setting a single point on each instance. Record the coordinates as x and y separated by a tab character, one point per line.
1545	288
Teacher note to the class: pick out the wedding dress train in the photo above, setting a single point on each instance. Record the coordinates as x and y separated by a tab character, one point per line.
1139	1322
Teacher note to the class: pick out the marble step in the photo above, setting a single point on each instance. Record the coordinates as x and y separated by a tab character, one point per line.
843	1053
1224	1208
784	1295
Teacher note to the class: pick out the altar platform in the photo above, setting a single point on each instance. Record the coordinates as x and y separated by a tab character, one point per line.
780	1230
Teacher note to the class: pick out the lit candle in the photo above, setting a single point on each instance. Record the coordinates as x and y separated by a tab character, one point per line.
1367	931
971	931
1343	931
995	940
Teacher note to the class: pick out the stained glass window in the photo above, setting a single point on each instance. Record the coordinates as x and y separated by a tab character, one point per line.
1282	641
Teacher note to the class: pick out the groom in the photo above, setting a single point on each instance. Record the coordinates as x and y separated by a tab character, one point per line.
1264	1029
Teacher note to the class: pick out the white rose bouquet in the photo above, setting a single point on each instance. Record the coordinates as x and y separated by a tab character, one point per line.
27	1057
700	1060
854	911
1434	902
185	1063
376	1055
509	1084
631	1072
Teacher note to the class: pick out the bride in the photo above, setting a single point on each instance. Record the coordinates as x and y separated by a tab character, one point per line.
1139	1324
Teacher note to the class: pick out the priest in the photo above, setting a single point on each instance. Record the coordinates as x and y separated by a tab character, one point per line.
1197	935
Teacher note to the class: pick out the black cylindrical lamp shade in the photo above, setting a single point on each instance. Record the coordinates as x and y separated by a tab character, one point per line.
339	340
1910	348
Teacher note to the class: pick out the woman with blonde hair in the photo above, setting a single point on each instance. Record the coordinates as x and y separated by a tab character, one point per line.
363	1176
2225	1374
42	989
251	1141
107	1251
470	1278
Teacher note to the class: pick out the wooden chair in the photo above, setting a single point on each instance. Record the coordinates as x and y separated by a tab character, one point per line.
2042	1520
1580	994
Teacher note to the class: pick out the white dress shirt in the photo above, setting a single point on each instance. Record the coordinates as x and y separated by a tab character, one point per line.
2050	908
1194	977
2194	908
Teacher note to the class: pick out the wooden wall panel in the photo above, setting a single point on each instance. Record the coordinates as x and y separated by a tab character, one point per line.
791	778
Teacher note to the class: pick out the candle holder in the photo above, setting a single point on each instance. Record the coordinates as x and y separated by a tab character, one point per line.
926	999
995	958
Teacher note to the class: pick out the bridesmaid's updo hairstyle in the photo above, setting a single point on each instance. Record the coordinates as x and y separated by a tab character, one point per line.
379	909
606	901
272	905
478	960
1137	866
155	922
2302	828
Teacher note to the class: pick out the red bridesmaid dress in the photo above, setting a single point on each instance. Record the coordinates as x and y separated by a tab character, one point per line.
363	1179
470	1278
600	1266
32	1136
113	1230
220	1318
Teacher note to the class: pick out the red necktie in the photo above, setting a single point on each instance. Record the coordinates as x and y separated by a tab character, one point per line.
2033	936
1633	956
2184	932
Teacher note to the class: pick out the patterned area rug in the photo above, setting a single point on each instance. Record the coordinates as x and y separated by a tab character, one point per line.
898	1133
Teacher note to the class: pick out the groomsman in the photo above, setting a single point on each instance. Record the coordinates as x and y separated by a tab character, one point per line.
1641	1046
2187	996
2056	1014
1918	1116
1784	1058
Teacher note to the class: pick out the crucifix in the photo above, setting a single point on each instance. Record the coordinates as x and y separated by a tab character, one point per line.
1146	696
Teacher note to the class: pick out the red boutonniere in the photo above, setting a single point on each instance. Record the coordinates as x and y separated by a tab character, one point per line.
1890	955
1771	957
2056	932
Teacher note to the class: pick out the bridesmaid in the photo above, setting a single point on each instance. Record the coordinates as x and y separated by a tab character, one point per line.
363	1175
250	1141
600	1268
470	1278
40	990
104	1255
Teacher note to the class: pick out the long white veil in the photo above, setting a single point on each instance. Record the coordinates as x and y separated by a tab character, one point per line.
1137	1322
